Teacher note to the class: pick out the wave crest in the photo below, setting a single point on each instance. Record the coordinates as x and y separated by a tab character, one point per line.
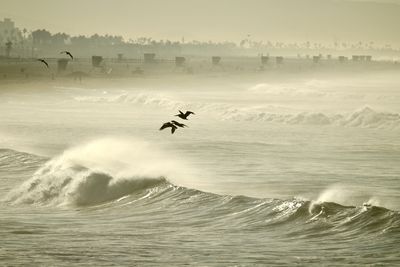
363	118
97	172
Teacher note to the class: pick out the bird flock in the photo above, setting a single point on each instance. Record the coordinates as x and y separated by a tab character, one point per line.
170	124
174	124
62	52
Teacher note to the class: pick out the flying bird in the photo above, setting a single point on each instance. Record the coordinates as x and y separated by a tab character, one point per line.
169	124
179	124
68	53
44	61
184	116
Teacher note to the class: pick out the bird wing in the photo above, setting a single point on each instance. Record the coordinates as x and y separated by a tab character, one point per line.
43	61
173	128
69	54
181	112
165	125
188	113
179	124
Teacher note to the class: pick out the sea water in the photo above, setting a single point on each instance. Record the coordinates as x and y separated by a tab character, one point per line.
302	170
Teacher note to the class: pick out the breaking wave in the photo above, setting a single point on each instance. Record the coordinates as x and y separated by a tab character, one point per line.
292	90
100	171
365	117
140	98
87	176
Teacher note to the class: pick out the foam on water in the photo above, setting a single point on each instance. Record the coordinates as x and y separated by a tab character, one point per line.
363	117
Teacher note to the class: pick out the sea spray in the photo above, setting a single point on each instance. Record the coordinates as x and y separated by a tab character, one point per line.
99	171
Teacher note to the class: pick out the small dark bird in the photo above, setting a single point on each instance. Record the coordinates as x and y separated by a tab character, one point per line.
179	124
184	116
68	53
169	124
44	61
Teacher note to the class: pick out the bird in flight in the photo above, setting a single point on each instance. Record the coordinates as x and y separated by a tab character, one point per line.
184	116
179	124
44	61
167	125
68	53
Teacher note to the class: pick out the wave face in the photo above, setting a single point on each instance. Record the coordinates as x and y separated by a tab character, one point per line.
299	217
61	182
15	160
124	195
116	174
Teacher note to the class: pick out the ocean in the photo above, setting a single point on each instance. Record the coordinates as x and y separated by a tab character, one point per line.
271	171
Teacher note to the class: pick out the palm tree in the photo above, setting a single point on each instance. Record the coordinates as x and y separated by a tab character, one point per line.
8	48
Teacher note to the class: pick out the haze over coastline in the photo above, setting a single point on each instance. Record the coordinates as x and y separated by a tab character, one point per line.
274	20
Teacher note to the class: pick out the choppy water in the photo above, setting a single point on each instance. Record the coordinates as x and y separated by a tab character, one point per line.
304	171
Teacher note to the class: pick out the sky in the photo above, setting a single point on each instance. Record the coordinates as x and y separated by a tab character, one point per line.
216	20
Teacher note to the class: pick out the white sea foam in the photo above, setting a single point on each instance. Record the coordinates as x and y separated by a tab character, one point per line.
365	117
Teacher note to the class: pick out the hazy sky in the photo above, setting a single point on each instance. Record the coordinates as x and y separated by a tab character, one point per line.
285	20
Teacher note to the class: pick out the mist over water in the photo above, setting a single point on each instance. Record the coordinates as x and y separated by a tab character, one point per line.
291	170
201	133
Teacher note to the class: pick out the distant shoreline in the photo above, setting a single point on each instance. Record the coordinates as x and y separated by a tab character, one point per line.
80	70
